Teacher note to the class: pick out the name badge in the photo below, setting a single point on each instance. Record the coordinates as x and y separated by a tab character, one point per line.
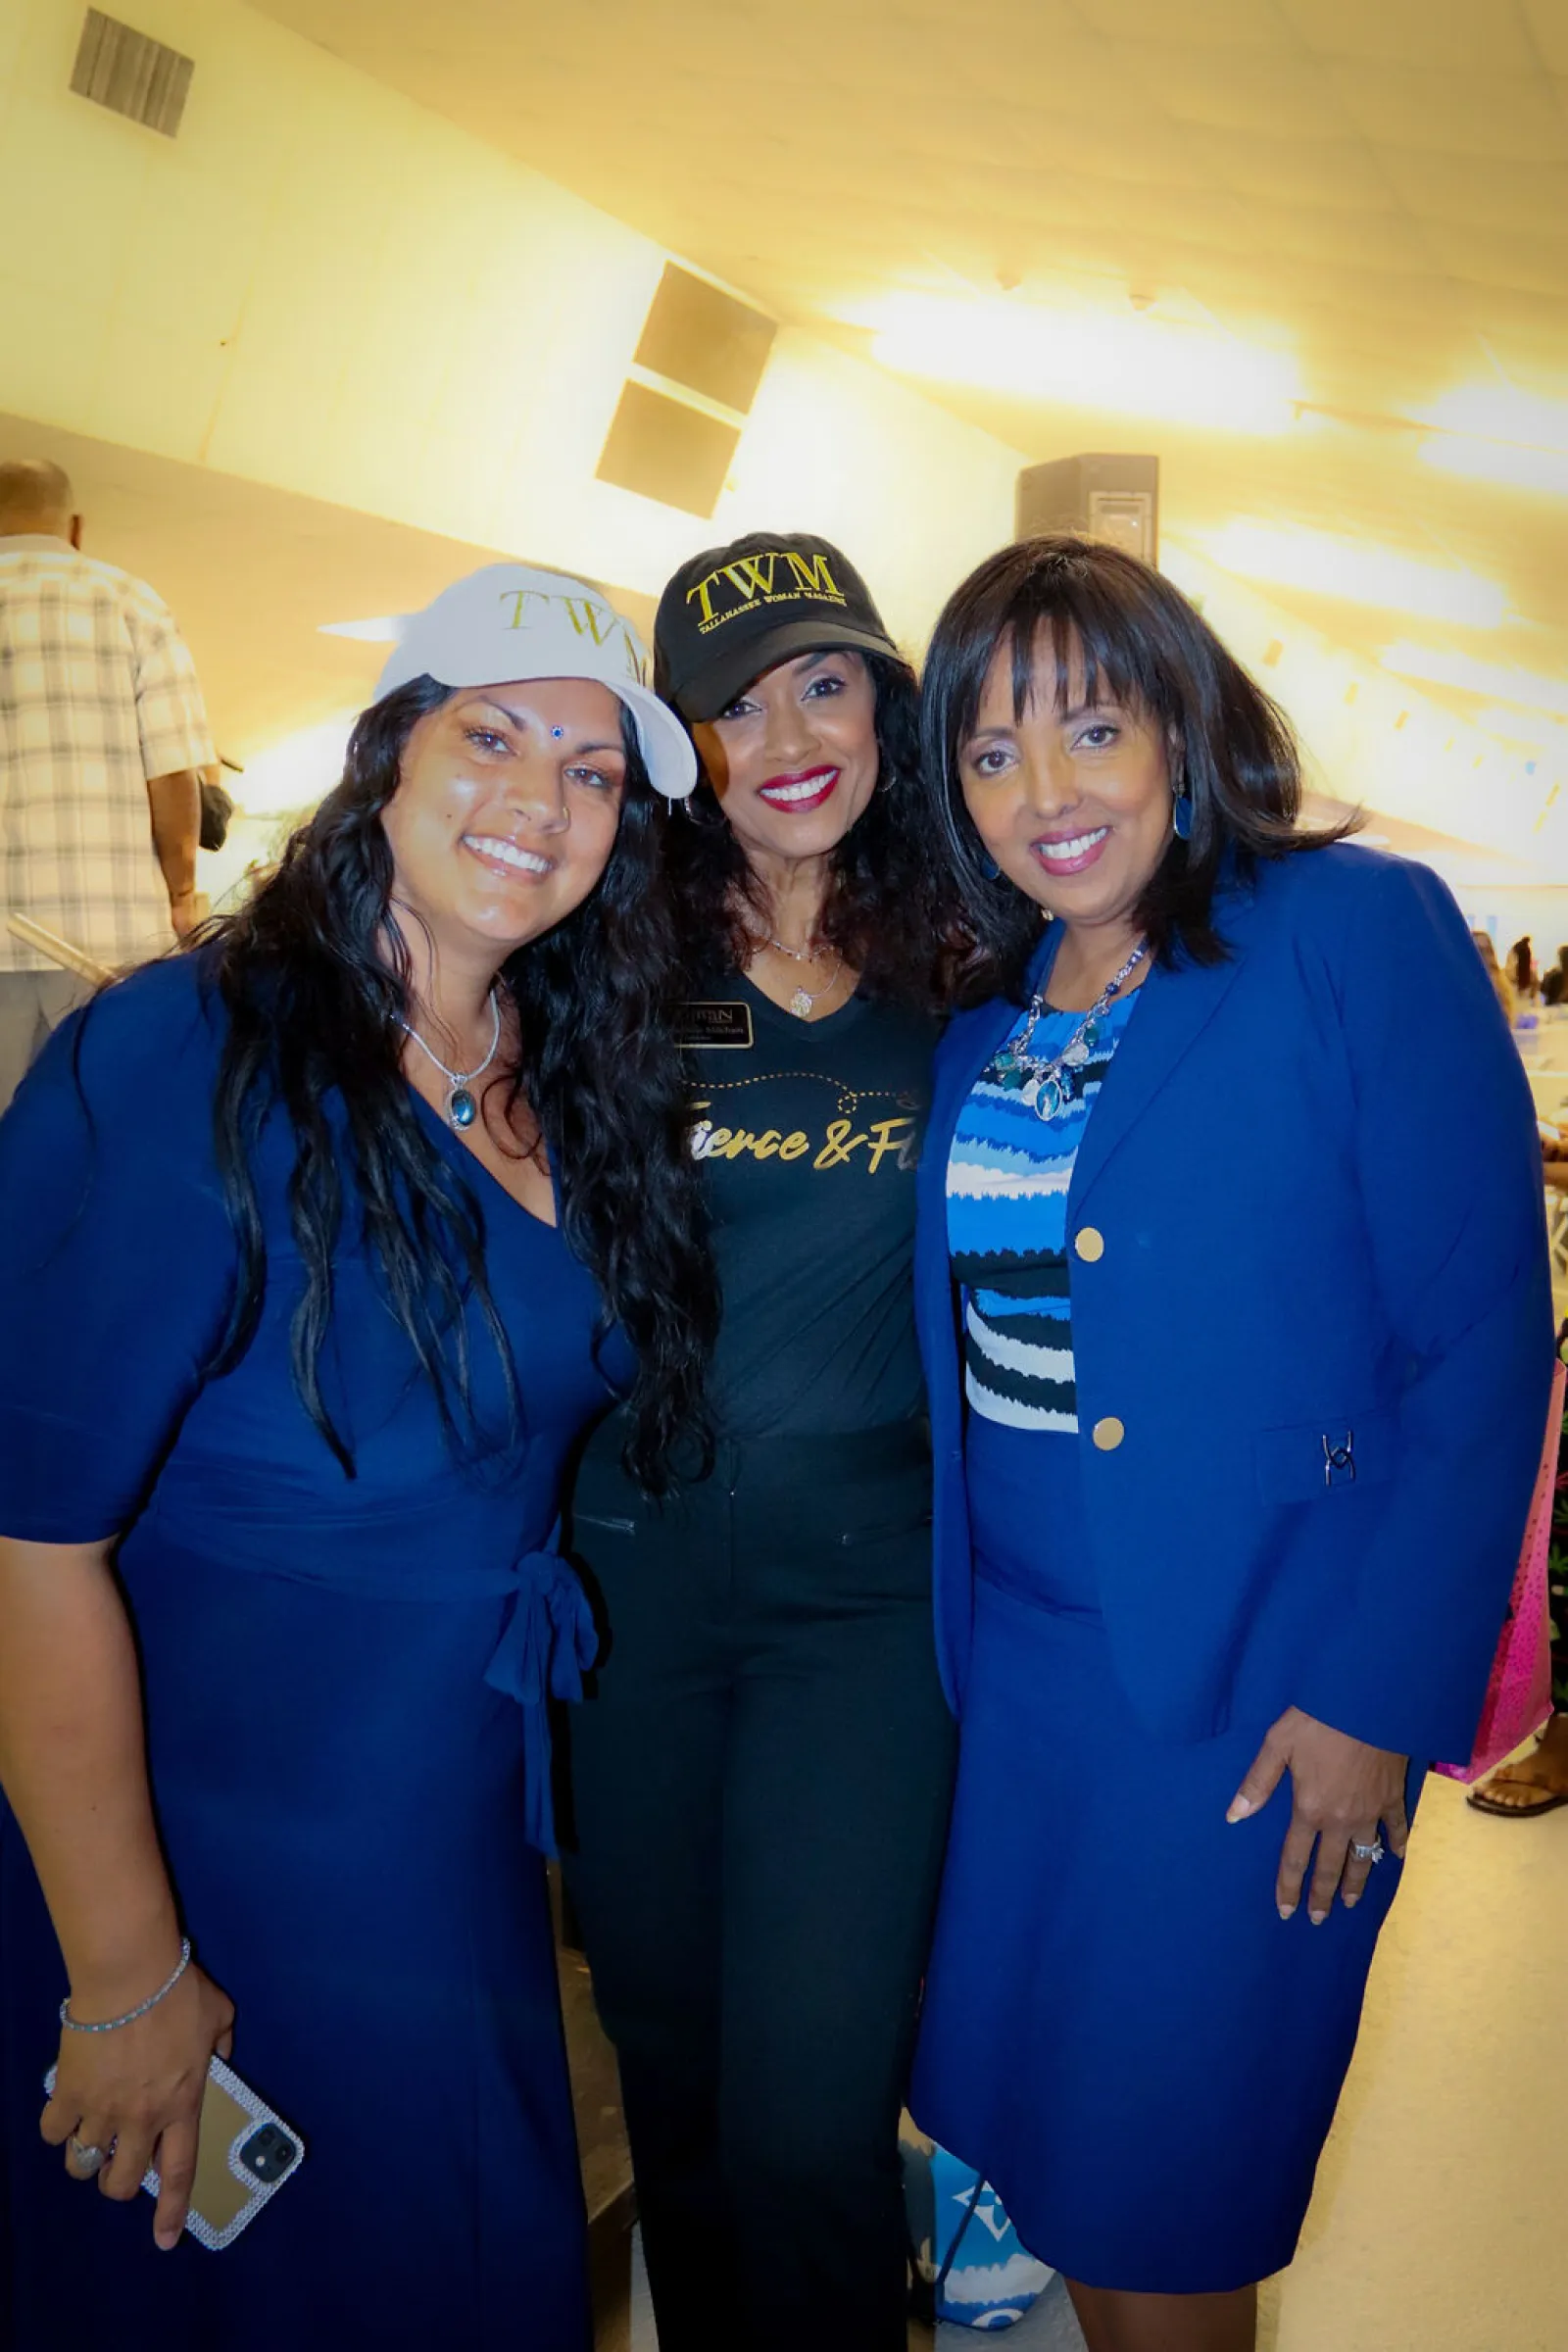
714	1024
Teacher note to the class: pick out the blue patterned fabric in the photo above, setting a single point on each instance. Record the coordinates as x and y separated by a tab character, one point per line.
1008	1171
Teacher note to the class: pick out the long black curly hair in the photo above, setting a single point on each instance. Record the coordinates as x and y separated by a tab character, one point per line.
314	980
1080	606
890	910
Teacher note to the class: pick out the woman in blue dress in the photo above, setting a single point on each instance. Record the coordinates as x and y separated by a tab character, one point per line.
319	1247
1235	1430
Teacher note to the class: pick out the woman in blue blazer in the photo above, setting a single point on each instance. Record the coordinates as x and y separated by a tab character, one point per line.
1236	1387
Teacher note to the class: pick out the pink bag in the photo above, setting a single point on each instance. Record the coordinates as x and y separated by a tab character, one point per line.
1519	1694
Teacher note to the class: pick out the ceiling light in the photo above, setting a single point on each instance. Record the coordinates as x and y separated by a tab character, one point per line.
1520	726
1358	573
294	773
1502	412
1521	468
386	630
1523	688
1132	366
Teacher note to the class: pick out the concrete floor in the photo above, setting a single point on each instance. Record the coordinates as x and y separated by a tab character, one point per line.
1438	2223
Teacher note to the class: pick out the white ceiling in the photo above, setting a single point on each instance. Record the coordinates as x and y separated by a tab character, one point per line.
1379	187
253	573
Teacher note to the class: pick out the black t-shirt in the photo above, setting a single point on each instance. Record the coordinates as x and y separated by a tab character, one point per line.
809	1133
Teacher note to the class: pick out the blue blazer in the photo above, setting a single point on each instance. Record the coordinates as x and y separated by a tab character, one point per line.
1312	1196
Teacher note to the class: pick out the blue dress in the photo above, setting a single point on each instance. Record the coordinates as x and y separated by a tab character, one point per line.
1119	2032
345	1683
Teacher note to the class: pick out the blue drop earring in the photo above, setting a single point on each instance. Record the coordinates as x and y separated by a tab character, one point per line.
1181	817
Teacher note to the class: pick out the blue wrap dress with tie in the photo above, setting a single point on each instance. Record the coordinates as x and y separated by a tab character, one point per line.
346	1681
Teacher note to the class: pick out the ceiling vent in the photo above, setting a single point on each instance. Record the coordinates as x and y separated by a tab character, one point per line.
130	74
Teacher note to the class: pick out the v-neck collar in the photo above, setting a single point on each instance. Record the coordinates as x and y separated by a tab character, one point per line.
457	1151
844	1016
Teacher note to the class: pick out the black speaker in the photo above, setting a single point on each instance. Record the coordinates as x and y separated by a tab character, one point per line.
1108	497
697	335
663	449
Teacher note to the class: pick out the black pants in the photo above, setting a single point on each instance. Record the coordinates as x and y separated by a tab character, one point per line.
760	1788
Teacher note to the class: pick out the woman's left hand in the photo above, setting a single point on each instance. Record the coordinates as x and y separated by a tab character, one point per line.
1345	1794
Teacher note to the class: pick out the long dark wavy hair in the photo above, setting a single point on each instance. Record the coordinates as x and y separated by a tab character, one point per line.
315	979
1116	631
890	910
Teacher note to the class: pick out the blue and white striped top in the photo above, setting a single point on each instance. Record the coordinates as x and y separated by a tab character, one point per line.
1008	1171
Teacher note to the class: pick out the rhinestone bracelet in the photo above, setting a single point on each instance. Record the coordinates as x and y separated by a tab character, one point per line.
112	2025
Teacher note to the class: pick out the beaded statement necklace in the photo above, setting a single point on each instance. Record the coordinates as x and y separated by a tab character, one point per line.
1049	1084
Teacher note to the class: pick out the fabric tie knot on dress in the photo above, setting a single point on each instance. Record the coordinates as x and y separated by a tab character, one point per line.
548	1642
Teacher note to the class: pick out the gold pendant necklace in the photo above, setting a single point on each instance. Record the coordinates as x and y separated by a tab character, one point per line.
803	1002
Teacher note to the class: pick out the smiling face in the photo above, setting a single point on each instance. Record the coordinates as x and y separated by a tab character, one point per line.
507	802
794	760
1073	801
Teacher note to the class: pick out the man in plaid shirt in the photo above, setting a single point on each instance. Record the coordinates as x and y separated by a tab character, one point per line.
104	746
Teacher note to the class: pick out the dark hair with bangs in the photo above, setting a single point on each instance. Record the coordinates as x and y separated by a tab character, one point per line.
888	911
1117	631
316	983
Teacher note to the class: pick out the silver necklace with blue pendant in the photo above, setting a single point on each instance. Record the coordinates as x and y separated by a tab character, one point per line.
1049	1084
462	1108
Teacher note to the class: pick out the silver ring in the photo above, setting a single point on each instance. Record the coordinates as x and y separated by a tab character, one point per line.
1368	1853
85	2160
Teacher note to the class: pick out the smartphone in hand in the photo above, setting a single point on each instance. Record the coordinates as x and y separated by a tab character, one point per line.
245	2155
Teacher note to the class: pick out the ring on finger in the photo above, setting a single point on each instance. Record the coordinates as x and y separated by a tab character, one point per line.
84	2158
1372	1854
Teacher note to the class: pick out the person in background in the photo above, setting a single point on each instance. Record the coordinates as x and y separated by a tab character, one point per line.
1537	1781
1502	986
1554	983
1235	1430
319	1243
104	749
1522	971
762	1772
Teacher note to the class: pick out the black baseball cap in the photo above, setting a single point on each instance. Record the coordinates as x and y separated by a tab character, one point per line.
733	611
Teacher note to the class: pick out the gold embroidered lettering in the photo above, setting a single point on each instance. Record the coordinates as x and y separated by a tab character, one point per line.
748	576
794	1145
813	578
740	1142
767	1144
591	620
519	600
703	591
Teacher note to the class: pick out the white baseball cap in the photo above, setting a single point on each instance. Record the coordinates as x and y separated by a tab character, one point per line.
510	620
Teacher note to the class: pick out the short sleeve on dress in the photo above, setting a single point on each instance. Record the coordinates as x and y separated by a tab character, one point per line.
117	1255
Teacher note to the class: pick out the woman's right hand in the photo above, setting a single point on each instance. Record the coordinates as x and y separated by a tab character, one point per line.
137	2092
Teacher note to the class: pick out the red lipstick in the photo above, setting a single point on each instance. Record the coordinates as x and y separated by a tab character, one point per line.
807	788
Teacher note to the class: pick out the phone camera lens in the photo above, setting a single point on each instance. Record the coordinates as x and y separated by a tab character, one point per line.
267	2153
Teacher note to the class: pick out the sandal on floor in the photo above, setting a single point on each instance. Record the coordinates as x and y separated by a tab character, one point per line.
1551	1799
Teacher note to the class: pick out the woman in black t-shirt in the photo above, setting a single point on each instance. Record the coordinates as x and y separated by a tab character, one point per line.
761	1773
